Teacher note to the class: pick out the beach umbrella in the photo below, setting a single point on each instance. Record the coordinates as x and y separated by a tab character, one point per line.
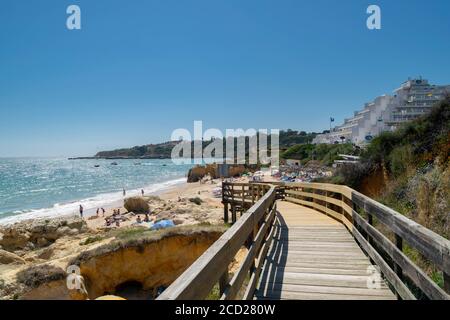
110	297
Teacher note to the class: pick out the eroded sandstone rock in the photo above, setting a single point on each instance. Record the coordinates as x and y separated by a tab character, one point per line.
137	205
10	258
28	235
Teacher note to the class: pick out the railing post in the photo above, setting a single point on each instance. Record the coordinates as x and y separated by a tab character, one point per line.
243	199
225	212
355	209
399	245
232	194
370	220
223	282
225	204
252	187
398	270
446	282
313	199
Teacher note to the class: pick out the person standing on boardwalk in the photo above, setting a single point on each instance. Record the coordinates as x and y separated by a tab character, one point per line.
81	211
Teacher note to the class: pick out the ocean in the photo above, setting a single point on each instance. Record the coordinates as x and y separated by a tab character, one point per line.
41	187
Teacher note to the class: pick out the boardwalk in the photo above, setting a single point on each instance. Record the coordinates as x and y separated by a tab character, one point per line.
315	257
295	250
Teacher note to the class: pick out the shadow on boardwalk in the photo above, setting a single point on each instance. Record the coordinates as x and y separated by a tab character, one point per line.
273	270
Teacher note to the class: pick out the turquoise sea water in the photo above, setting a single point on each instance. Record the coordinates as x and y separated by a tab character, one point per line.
38	187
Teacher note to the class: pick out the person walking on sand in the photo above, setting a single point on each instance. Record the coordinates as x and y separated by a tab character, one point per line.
81	211
124	192
103	212
142	192
97	211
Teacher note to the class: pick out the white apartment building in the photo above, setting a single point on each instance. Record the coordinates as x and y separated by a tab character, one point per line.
414	98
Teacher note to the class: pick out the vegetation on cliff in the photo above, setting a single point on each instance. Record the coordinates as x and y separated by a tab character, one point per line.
325	153
414	165
287	139
153	151
416	161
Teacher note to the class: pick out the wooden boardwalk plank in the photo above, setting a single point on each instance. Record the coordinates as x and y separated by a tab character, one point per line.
279	288
315	257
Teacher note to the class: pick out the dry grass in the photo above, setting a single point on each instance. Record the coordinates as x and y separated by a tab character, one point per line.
35	276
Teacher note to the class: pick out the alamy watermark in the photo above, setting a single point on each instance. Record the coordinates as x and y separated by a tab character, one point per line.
73	21
374	20
236	146
74	280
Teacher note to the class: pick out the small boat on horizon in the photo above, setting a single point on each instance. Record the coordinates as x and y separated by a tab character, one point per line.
114	163
97	166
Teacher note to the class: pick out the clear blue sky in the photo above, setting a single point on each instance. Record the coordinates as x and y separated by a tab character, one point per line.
139	69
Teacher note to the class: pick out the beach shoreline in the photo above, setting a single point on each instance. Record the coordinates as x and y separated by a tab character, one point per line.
54	212
171	191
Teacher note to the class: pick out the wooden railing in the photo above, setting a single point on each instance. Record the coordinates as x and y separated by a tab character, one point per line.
254	230
368	221
365	218
238	197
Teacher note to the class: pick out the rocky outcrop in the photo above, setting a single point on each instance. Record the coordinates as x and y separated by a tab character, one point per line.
153	262
137	205
10	258
133	257
29	235
47	282
197	173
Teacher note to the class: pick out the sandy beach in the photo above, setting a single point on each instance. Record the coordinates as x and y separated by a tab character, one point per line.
174	199
173	203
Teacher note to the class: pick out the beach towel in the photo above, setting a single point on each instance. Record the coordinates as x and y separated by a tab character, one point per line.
162	225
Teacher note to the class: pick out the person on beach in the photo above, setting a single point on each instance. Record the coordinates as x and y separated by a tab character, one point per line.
146	219
138	219
124	192
103	212
97	211
142	192
81	211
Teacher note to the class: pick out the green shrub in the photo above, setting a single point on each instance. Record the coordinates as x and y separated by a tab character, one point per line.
196	200
90	240
352	175
400	159
129	233
37	275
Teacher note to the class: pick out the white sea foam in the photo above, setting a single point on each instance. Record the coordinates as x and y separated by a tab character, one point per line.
90	204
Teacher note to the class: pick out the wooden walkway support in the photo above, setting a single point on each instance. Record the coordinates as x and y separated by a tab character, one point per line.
323	242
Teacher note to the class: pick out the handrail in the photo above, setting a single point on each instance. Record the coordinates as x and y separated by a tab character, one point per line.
254	229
